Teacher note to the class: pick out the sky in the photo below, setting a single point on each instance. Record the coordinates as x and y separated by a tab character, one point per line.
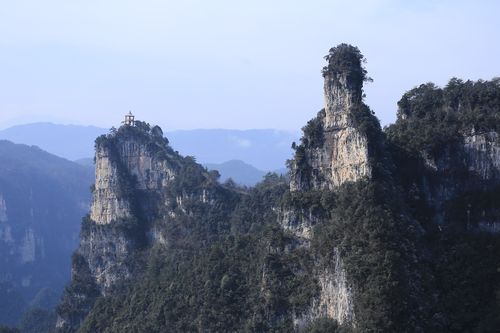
190	64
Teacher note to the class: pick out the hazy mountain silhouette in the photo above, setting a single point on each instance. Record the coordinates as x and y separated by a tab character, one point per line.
265	149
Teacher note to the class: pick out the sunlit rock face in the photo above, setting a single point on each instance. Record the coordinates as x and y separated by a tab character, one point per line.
134	167
342	154
483	154
335	299
107	204
333	151
134	159
131	171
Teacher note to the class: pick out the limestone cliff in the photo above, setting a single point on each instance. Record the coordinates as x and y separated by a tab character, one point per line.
336	297
333	151
451	152
482	152
334	148
132	200
130	159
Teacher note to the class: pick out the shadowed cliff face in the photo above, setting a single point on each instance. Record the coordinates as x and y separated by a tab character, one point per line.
447	150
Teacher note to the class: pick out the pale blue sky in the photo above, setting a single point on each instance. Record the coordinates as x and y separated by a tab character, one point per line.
226	64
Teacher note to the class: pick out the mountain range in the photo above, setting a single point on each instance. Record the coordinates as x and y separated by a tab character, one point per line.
265	149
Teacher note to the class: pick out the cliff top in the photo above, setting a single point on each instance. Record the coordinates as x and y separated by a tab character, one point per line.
140	131
345	63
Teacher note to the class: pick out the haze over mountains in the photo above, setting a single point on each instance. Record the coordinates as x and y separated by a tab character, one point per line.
42	200
265	149
243	155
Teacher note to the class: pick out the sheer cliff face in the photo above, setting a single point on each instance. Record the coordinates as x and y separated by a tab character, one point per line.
465	171
133	168
128	176
347	147
148	173
342	155
483	154
335	299
106	204
333	151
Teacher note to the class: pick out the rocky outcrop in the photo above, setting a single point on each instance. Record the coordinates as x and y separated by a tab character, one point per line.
336	149
133	160
106	252
461	173
133	166
335	299
42	200
482	152
131	202
299	222
5	229
107	203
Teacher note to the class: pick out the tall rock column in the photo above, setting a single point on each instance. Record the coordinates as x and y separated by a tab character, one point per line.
334	149
133	167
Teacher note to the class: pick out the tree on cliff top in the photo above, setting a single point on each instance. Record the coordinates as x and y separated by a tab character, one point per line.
346	59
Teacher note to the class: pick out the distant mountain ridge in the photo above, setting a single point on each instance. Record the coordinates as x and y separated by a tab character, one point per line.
239	171
265	149
68	141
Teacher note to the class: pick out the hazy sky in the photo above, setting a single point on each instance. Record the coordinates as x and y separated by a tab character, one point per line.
227	64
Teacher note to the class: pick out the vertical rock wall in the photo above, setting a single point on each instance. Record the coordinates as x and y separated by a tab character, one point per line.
343	154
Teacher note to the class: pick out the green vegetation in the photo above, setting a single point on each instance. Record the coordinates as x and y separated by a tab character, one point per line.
326	325
431	118
231	270
376	243
345	59
313	132
38	320
431	124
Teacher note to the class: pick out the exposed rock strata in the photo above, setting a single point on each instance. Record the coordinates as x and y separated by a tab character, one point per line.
335	299
333	151
342	154
483	154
